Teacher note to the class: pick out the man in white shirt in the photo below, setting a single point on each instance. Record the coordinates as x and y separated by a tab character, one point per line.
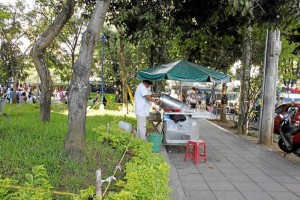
142	99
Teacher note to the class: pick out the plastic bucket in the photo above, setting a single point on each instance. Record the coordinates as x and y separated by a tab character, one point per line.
156	139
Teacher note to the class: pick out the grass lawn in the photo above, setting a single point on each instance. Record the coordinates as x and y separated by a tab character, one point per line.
26	142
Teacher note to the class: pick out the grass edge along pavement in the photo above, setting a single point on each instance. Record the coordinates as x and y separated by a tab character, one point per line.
26	143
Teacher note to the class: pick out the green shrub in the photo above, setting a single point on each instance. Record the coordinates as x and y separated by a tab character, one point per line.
36	186
146	173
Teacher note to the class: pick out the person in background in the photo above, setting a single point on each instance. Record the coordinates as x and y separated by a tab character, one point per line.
104	101
192	98
142	99
97	97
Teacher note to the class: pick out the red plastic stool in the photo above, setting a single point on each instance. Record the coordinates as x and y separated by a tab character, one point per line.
196	152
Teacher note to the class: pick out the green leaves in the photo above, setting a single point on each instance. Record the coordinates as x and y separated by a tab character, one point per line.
4	14
147	174
36	186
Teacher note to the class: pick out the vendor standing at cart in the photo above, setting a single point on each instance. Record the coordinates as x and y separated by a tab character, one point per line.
142	98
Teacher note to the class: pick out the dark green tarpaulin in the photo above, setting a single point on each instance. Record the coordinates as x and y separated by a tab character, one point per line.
183	70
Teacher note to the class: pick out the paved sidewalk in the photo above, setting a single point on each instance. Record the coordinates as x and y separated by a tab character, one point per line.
236	170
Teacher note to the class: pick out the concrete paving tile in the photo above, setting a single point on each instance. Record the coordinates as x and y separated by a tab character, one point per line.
247	186
293	187
251	171
293	171
261	164
231	170
284	195
191	177
273	187
229	153
216	158
187	171
244	165
215	177
226	186
224	164
261	178
194	185
297	177
238	178
247	155
257	195
272	171
178	160
256	159
208	169
285	179
196	195
221	149
236	160
232	155
277	161
180	166
229	195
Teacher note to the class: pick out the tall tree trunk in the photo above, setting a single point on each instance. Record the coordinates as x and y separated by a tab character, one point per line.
79	88
245	83
15	87
38	55
124	74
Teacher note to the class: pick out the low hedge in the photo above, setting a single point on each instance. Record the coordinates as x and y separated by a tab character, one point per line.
147	173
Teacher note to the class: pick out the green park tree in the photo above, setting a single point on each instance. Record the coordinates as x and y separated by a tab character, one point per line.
13	58
38	54
79	87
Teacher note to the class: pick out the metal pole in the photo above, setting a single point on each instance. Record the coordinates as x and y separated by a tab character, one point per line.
103	40
102	78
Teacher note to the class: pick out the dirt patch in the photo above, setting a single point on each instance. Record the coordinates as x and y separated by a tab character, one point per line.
230	126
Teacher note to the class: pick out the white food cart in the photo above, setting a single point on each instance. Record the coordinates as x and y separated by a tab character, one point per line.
181	132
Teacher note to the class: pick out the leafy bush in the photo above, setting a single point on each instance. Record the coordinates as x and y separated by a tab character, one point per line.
36	186
146	173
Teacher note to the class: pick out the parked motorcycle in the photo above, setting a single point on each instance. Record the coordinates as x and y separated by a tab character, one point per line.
289	139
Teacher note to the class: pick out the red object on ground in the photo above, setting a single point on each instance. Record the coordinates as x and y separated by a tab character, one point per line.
196	151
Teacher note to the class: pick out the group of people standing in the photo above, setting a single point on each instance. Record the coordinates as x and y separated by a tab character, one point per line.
23	94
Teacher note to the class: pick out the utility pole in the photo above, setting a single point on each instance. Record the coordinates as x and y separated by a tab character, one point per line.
103	39
272	52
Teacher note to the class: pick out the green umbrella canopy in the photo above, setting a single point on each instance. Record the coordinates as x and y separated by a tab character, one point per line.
183	70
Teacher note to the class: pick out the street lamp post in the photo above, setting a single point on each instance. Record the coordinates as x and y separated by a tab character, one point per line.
103	40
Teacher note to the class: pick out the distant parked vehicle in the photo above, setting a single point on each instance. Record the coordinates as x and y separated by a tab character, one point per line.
287	100
289	97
